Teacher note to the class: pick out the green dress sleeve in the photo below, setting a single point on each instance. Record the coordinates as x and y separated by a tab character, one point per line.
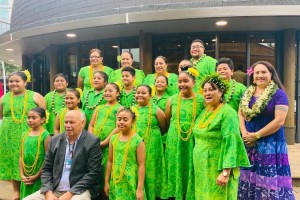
233	153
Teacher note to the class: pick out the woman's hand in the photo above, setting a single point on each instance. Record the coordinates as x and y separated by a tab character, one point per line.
249	139
222	180
139	194
106	189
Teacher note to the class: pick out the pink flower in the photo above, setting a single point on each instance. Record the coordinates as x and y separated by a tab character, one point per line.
250	71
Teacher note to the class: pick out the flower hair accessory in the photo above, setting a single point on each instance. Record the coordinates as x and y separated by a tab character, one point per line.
119	58
47	117
193	72
217	80
119	85
250	71
80	91
28	75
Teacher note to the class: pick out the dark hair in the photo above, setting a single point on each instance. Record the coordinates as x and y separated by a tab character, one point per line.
215	87
198	40
96	50
129	53
185	70
64	76
20	74
103	75
115	86
40	111
186	67
130	70
128	111
271	69
166	78
162	57
227	61
240	67
77	94
146	86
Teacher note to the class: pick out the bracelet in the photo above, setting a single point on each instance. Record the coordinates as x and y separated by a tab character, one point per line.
257	135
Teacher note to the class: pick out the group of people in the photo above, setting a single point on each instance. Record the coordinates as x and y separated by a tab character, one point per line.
196	135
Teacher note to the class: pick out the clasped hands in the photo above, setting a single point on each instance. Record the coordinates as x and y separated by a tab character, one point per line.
249	139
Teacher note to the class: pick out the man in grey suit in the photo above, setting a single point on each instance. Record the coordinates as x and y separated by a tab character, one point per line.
72	165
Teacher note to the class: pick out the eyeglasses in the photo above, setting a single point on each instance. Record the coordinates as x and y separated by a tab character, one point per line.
94	57
197	47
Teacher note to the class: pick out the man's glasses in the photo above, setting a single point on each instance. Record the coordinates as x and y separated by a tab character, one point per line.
197	47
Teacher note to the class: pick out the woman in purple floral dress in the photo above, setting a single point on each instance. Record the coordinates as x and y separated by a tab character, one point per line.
262	113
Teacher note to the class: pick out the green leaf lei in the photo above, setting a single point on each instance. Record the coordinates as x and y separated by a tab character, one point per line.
260	103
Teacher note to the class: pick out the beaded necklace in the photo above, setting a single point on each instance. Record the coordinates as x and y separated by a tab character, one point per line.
149	120
199	60
105	119
52	102
117	179
232	91
29	169
189	131
87	101
91	74
11	106
201	123
134	91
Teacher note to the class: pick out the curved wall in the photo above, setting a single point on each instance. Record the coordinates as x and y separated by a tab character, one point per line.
34	13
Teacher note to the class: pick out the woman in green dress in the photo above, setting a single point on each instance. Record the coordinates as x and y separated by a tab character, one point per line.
126	61
219	150
161	65
150	125
33	149
160	96
127	95
72	101
14	107
183	66
236	90
95	96
85	76
56	99
181	113
103	123
125	172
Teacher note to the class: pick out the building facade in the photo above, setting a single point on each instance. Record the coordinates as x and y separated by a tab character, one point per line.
255	30
5	13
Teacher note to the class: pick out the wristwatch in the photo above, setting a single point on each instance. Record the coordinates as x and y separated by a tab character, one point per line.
257	135
224	173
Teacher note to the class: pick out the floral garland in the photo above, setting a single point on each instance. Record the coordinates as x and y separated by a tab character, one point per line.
52	102
11	106
149	120
199	60
260	103
232	91
87	101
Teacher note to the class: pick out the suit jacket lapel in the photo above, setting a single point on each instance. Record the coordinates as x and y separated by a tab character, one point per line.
61	154
78	148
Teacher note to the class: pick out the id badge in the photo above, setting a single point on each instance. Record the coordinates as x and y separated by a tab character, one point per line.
68	163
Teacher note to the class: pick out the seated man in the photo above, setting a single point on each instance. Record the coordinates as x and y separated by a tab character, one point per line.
72	164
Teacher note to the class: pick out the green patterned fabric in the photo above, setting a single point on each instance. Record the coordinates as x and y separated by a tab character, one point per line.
62	114
30	150
116	76
127	100
239	90
172	83
10	135
84	73
103	130
58	104
155	179
126	188
206	66
179	153
93	99
218	146
161	102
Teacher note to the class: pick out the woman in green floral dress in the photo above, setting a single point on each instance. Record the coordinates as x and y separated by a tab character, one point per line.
181	112
72	101
219	150
33	150
236	90
126	61
150	124
125	172
14	107
85	76
160	96
56	99
95	96
103	123
161	65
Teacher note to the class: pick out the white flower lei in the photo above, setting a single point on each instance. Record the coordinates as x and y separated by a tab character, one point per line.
260	103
